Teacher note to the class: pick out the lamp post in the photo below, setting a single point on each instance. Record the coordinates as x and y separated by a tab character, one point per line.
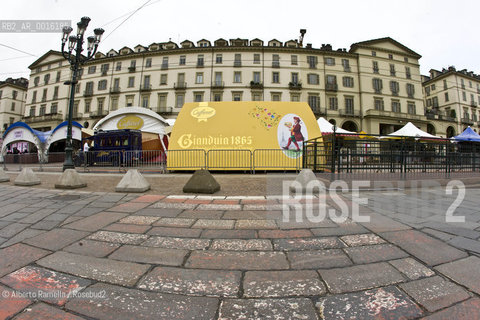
74	56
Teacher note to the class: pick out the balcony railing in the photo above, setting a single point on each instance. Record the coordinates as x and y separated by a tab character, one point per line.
77	116
295	85
473	104
319	111
88	93
256	85
45	117
350	113
132	69
467	121
98	113
275	64
164	66
200	64
394	115
164	110
331	87
237	63
146	87
115	90
218	84
180	85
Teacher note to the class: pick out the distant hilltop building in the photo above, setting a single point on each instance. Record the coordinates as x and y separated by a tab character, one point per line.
374	86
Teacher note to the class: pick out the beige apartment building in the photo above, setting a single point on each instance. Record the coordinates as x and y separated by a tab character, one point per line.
13	93
451	99
375	86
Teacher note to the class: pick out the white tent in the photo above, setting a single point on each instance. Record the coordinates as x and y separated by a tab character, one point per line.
410	130
133	118
327	128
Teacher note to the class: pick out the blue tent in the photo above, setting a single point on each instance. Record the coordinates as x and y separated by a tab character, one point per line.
468	135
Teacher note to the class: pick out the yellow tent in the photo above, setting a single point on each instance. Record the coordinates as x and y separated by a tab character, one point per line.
241	135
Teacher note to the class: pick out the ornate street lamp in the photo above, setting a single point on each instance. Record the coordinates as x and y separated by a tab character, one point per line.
74	56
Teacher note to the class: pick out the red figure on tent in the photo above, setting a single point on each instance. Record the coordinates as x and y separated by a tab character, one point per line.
295	133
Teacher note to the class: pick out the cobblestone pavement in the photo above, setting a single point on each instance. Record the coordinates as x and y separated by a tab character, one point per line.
100	255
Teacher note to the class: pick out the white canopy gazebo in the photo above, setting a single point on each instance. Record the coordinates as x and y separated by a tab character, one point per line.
327	128
410	130
153	126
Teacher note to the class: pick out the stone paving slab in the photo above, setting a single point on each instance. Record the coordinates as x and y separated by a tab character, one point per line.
42	311
105	270
214	224
435	293
175	232
292	308
232	260
118	237
307	244
430	250
19	237
227	234
360	277
465	272
252	215
49	286
45	225
411	268
128	228
382	303
10	304
341	230
120	303
158	212
379	223
255	224
362	239
280	234
174	222
92	248
241	245
168	257
139	220
192	214
271	284
177	243
56	238
179	206
318	259
465	243
96	221
17	256
376	253
467	310
12	229
129	207
192	281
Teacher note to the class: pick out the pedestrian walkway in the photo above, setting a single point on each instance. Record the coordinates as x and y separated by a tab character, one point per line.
101	255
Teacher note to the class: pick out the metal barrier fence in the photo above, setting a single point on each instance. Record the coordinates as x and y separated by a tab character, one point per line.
229	160
275	159
355	155
186	159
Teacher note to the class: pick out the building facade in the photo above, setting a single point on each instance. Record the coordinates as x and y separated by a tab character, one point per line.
375	86
451	99
13	93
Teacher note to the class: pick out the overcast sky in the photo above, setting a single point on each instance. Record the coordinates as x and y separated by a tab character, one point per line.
444	32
